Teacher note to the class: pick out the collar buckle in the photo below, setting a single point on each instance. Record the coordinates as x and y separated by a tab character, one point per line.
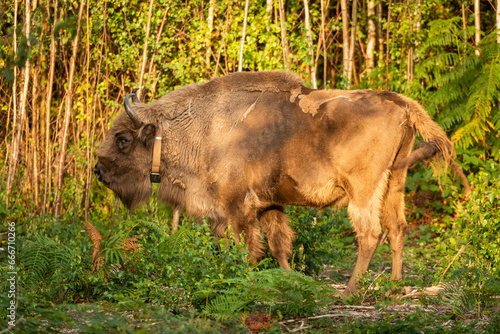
155	177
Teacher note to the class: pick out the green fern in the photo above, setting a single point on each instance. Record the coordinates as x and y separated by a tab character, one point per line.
465	87
288	291
42	257
225	307
470	290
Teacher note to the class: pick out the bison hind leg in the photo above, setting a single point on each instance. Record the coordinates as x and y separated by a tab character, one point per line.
274	223
393	219
251	232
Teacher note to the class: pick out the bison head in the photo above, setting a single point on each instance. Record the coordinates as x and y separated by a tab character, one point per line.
125	157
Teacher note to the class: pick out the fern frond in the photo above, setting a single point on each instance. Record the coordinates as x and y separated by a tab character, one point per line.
42	257
225	307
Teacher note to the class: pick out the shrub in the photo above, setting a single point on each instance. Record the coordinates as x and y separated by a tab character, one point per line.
323	237
478	221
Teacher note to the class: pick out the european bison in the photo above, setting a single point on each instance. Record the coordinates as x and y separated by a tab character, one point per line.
238	148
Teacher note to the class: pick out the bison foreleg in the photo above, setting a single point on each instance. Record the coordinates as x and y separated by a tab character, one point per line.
274	223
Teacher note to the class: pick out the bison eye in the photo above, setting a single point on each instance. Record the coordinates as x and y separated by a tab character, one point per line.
123	140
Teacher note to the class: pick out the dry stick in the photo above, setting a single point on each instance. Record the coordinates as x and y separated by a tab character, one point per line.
354	18
454	258
371	284
243	35
222	43
387	44
152	66
67	116
145	50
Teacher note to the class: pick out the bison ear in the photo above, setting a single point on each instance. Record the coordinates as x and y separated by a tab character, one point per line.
147	135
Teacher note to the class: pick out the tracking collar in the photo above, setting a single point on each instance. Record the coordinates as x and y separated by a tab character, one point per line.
155	176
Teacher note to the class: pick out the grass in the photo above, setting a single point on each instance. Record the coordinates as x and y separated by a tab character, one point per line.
191	282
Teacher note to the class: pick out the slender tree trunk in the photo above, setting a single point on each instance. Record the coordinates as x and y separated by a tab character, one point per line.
323	41
354	18
269	13
380	36
409	63
67	115
477	25
243	35
310	44
14	151
387	45
145	50
372	37
498	21
48	102
284	41
345	39
17	138
152	66
35	130
210	23
88	121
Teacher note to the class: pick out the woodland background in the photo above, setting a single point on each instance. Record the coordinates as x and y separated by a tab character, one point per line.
67	65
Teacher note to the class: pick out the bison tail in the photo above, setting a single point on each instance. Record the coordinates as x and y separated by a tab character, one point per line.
436	144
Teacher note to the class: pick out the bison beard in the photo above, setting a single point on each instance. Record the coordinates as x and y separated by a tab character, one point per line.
239	148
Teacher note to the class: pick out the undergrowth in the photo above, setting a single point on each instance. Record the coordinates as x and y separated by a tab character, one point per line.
128	272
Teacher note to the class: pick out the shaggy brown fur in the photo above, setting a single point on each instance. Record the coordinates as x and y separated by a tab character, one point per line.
240	147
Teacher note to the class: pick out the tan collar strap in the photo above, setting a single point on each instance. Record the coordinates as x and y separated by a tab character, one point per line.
155	169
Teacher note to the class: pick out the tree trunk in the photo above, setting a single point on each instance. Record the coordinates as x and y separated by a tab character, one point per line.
210	23
14	150
284	41
243	35
19	118
145	50
345	39
354	18
380	36
372	37
48	103
498	21
269	13
67	115
310	44
387	46
152	65
323	41
477	25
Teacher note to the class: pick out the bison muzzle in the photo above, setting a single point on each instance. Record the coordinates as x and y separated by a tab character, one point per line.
238	148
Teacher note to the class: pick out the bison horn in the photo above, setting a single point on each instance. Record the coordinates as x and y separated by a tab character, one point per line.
135	98
130	112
